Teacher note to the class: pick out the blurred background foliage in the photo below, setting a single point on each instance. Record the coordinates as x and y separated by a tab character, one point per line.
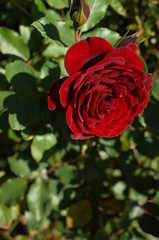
52	187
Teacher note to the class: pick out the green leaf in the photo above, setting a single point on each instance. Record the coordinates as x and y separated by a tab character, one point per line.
41	6
18	118
25	33
21	76
22	237
97	12
11	43
142	184
118	7
127	162
20	165
155	90
57	4
53	50
3	96
4	125
55	30
42	142
145	68
109	35
156	198
14	136
50	72
151	115
12	191
148	146
38	199
16	67
3	82
66	174
33	224
80	213
149	224
5	216
27	133
53	14
56	193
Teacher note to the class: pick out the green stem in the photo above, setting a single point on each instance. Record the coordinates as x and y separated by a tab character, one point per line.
51	170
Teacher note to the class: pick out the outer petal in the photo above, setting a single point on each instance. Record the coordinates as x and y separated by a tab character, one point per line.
66	92
133	47
54	97
149	81
128	54
85	50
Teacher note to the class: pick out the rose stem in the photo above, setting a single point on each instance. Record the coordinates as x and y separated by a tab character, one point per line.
77	36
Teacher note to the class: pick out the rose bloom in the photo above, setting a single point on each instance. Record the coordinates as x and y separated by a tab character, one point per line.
105	89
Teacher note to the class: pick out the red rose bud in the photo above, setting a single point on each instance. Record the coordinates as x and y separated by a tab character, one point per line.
79	12
106	88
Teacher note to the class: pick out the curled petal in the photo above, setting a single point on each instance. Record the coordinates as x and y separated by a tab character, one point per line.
132	47
148	82
54	97
84	51
129	56
65	91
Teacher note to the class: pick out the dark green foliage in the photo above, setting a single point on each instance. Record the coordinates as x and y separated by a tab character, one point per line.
52	187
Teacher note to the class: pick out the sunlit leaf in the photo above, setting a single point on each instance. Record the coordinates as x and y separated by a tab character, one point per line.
155	90
118	7
55	30
12	191
105	33
5	216
21	76
97	12
57	4
41	143
20	165
38	199
11	43
67	174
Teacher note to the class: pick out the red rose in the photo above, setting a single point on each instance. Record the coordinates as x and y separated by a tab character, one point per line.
105	89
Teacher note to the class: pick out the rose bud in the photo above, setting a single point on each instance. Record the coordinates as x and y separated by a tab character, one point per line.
106	88
127	40
79	12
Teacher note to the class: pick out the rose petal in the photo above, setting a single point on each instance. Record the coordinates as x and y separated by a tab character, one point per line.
84	51
54	97
66	89
70	121
132	47
129	56
148	82
80	136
